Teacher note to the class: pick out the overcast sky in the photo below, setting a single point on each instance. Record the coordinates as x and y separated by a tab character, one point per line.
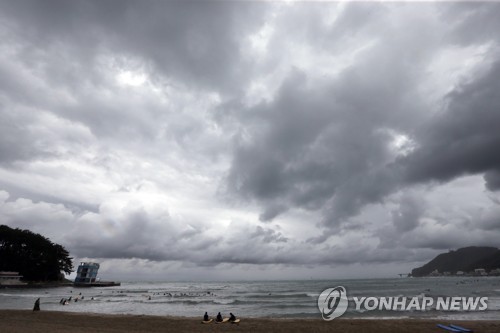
175	140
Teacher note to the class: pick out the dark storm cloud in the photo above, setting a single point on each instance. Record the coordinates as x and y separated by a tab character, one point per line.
196	41
59	62
465	138
319	110
322	145
328	147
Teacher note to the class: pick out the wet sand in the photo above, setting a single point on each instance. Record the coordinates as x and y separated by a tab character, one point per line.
22	321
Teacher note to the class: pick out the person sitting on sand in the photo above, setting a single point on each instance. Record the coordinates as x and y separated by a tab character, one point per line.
219	317
36	307
232	317
205	317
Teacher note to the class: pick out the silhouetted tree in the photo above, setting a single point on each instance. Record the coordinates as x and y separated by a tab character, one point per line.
35	257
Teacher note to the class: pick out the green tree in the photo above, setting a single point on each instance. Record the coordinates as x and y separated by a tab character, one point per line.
35	257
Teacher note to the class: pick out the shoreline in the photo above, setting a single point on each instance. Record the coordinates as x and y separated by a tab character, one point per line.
24	321
37	285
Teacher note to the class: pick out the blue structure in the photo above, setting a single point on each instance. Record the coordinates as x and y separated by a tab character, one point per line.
87	272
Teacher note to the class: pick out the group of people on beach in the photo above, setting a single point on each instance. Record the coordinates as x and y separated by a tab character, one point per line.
219	318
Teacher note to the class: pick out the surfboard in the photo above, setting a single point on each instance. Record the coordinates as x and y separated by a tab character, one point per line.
463	329
225	320
237	321
448	328
207	321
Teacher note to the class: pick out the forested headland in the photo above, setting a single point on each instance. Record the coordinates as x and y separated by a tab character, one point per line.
34	256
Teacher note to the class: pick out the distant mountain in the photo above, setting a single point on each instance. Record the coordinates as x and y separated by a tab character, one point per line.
465	259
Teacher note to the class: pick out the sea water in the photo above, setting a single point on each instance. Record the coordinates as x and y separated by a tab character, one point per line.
279	299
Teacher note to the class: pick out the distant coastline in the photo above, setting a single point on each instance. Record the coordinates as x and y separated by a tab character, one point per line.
468	261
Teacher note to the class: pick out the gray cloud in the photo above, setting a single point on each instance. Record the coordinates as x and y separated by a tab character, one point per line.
406	217
472	23
328	147
492	179
182	40
489	219
464	139
169	131
65	62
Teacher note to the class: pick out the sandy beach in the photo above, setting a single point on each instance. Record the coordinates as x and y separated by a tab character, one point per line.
24	321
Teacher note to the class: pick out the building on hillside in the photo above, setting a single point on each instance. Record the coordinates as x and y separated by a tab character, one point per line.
435	273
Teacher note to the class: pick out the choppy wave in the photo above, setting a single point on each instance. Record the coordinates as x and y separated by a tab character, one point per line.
255	299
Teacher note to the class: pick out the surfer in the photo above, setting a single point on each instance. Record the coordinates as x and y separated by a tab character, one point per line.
36	307
219	317
232	317
205	317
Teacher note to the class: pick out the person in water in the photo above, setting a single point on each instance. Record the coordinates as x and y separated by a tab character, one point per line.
219	317
205	317
232	317
36	307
